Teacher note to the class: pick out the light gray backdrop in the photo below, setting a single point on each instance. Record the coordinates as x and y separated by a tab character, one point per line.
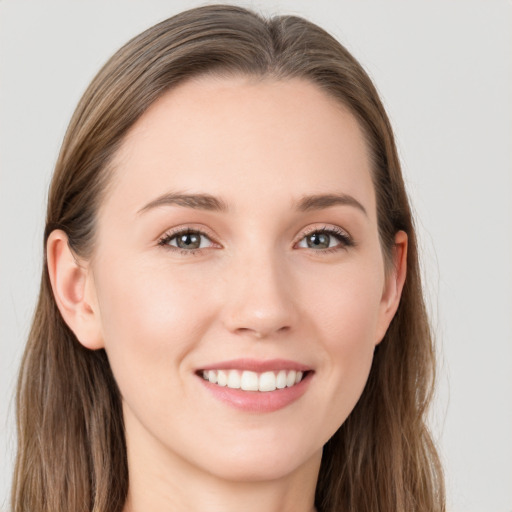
444	70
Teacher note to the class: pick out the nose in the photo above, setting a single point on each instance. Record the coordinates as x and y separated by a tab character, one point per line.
259	299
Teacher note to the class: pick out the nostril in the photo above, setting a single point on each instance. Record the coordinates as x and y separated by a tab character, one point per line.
260	333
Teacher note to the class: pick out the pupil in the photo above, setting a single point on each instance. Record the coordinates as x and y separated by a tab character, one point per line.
318	240
189	241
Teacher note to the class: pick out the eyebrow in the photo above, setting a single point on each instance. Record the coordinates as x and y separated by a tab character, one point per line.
196	201
321	201
212	203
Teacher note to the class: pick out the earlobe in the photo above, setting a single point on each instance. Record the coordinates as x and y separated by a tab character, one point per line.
73	290
395	281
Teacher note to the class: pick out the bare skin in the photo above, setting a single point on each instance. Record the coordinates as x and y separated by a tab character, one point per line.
240	224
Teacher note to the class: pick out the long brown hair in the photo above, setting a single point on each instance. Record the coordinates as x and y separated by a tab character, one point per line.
71	448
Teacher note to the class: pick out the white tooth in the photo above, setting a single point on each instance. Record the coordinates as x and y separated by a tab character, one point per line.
205	374
281	379
212	376
249	381
290	378
222	378
298	377
233	379
267	381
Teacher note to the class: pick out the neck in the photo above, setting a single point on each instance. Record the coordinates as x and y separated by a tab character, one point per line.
162	481
159	495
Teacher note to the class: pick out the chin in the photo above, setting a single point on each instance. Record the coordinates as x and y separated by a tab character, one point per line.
254	464
250	473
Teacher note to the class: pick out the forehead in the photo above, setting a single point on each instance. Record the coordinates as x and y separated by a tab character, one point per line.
242	138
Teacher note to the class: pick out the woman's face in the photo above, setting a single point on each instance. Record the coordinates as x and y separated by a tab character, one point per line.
238	243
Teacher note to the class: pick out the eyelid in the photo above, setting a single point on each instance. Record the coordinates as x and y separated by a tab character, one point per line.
343	235
187	228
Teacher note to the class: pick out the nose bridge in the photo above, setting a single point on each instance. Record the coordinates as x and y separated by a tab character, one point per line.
259	299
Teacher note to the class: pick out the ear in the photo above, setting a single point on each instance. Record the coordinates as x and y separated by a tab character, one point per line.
394	284
73	289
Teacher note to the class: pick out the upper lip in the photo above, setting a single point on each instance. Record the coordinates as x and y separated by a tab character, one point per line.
258	366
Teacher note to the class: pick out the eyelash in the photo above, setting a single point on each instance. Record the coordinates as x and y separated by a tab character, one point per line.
171	235
344	239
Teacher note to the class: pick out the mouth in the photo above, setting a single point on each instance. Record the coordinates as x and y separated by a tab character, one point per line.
247	380
256	386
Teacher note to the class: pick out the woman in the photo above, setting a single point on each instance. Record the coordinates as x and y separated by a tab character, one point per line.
231	314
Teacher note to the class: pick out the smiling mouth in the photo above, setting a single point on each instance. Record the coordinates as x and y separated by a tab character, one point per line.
253	381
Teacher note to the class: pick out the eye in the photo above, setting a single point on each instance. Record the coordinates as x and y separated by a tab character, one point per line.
326	238
187	240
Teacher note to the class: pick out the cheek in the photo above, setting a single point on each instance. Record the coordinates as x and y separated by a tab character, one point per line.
149	319
346	305
346	316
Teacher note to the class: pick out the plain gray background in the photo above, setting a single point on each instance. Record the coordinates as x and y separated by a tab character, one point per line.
444	70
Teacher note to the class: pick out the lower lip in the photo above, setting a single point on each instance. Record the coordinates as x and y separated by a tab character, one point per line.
258	401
